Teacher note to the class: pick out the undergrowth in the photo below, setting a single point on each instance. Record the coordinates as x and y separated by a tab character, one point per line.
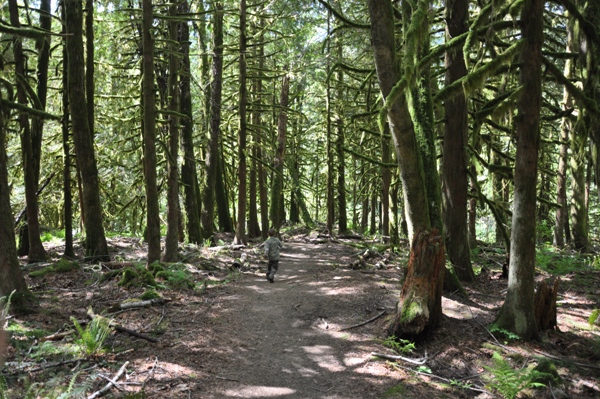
509	382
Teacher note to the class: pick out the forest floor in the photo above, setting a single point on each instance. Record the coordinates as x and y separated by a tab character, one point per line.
232	334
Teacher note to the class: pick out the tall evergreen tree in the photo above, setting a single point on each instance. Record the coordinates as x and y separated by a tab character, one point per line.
517	314
149	134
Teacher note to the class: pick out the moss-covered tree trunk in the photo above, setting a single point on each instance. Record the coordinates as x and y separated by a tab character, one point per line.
211	162
454	162
96	248
277	210
386	180
149	134
419	308
173	210
36	251
67	194
240	231
10	270
517	314
189	174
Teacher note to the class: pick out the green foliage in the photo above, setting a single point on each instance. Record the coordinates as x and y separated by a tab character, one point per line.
507	381
53	236
505	333
593	317
460	384
150	294
3	388
558	263
58	388
62	266
399	345
93	336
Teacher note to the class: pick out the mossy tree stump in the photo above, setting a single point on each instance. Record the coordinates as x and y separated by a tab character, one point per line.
420	304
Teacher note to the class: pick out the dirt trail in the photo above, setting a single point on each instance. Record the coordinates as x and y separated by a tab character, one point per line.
281	340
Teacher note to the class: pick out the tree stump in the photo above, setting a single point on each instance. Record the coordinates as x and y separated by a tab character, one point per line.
420	303
545	305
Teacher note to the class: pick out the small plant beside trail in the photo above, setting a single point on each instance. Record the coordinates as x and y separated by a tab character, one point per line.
92	337
399	345
509	382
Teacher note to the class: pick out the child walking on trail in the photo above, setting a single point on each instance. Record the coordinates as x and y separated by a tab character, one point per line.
272	247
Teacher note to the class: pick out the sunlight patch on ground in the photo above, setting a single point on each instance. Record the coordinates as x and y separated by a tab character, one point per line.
249	391
338	291
322	355
457	310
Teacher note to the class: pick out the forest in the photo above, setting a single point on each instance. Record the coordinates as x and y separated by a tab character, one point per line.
432	130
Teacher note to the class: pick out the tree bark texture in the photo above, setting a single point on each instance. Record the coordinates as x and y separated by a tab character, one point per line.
212	150
240	231
67	193
90	86
420	305
36	251
149	134
10	270
454	162
419	309
401	125
277	189
43	47
545	305
517	314
173	211
189	175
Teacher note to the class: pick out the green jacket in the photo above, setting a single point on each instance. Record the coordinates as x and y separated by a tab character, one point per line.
272	247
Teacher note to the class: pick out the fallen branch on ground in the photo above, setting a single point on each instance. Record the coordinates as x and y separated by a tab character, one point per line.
112	382
119	328
363	323
417	362
137	304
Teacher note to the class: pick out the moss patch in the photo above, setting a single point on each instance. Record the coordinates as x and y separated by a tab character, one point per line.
62	266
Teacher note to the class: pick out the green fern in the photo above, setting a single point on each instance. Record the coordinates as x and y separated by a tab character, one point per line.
509	382
93	336
399	345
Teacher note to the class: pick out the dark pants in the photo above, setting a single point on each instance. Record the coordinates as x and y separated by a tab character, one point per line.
272	268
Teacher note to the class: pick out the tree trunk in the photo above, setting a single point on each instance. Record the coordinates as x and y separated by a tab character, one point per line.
420	305
277	190
339	143
517	314
43	47
386	180
36	252
173	211
189	175
454	161
149	134
419	309
67	194
545	305
89	64
240	231
212	149
10	270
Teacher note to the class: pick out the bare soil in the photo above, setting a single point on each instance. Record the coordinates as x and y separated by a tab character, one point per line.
239	336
